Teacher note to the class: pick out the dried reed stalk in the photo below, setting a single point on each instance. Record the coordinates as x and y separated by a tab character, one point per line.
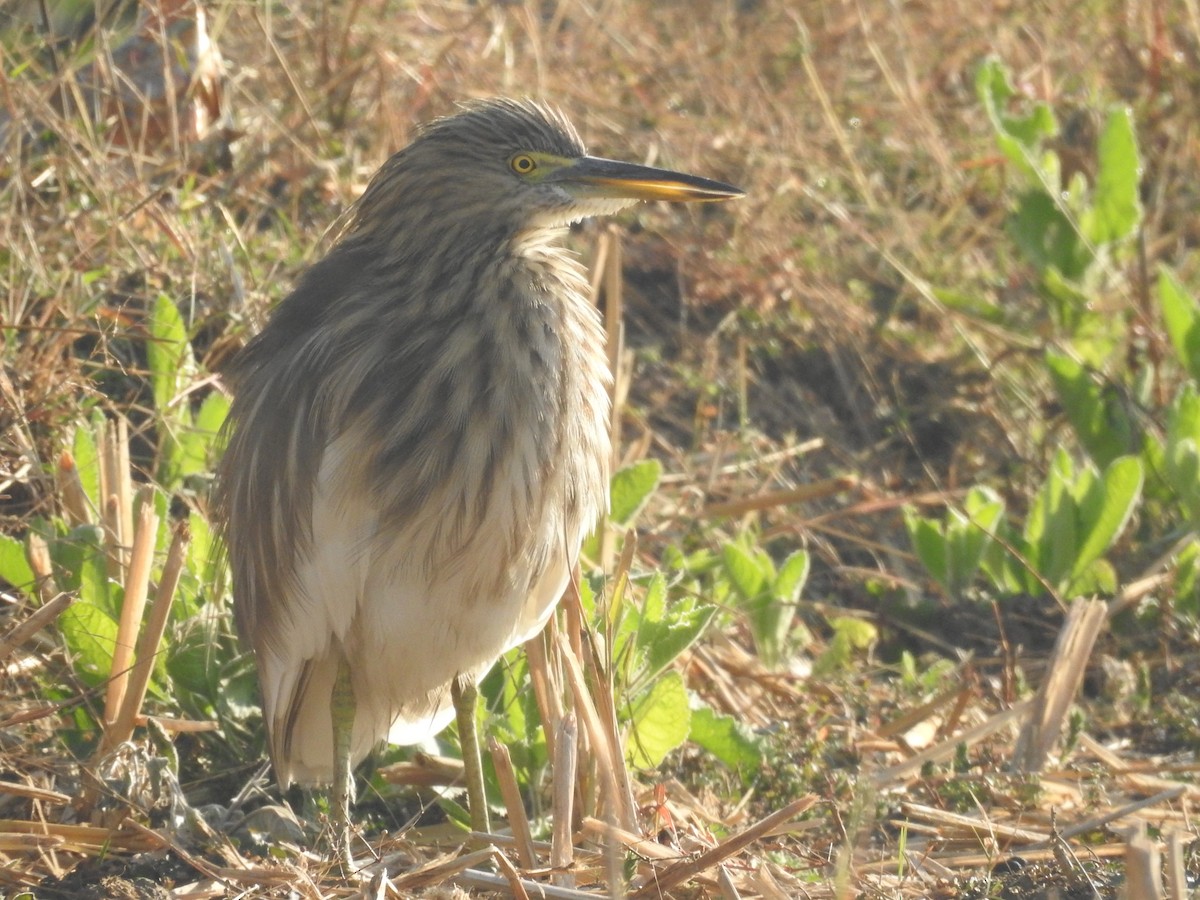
38	620
136	586
147	647
562	845
661	882
1040	733
509	790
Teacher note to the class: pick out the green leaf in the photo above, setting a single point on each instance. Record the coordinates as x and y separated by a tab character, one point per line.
929	543
87	459
631	488
969	535
1047	237
203	573
659	723
517	721
172	369
1179	460
1106	511
662	640
199	442
859	633
849	636
985	509
82	565
727	739
1099	419
14	565
91	636
1116	206
1019	137
190	660
631	634
1098	578
1050	539
1182	320
745	570
1006	573
168	353
791	578
1187	580
771	612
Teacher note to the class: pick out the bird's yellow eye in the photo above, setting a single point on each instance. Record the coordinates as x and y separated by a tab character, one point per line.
523	163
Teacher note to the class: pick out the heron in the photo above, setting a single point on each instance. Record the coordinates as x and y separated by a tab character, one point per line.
418	442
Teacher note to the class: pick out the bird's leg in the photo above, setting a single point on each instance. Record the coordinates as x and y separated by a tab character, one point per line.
342	713
465	697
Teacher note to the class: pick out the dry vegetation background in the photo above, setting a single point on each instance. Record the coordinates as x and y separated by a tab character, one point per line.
859	334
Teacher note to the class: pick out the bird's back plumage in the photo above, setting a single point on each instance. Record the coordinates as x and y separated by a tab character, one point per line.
418	445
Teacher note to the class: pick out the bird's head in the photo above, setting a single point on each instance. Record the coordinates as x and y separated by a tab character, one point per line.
506	164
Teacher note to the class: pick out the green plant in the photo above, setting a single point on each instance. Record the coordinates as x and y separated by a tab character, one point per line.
767	596
953	549
644	622
198	671
190	438
1069	231
1075	518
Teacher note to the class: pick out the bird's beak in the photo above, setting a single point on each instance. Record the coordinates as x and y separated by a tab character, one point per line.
592	176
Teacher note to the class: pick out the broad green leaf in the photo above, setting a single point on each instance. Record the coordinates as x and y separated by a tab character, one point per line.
199	442
1187	580
727	739
14	565
984	508
587	596
1006	573
91	635
1099	420
1105	519
172	369
654	604
929	542
745	570
1184	420
1116	207
1181	463
203	574
1046	237
1070	305
1050	527
771	612
969	534
791	578
168	353
210	418
659	722
632	487
636	621
512	724
1179	459
82	565
661	642
1182	320
87	459
189	662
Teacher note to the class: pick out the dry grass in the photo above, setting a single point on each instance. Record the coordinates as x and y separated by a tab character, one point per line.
797	338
